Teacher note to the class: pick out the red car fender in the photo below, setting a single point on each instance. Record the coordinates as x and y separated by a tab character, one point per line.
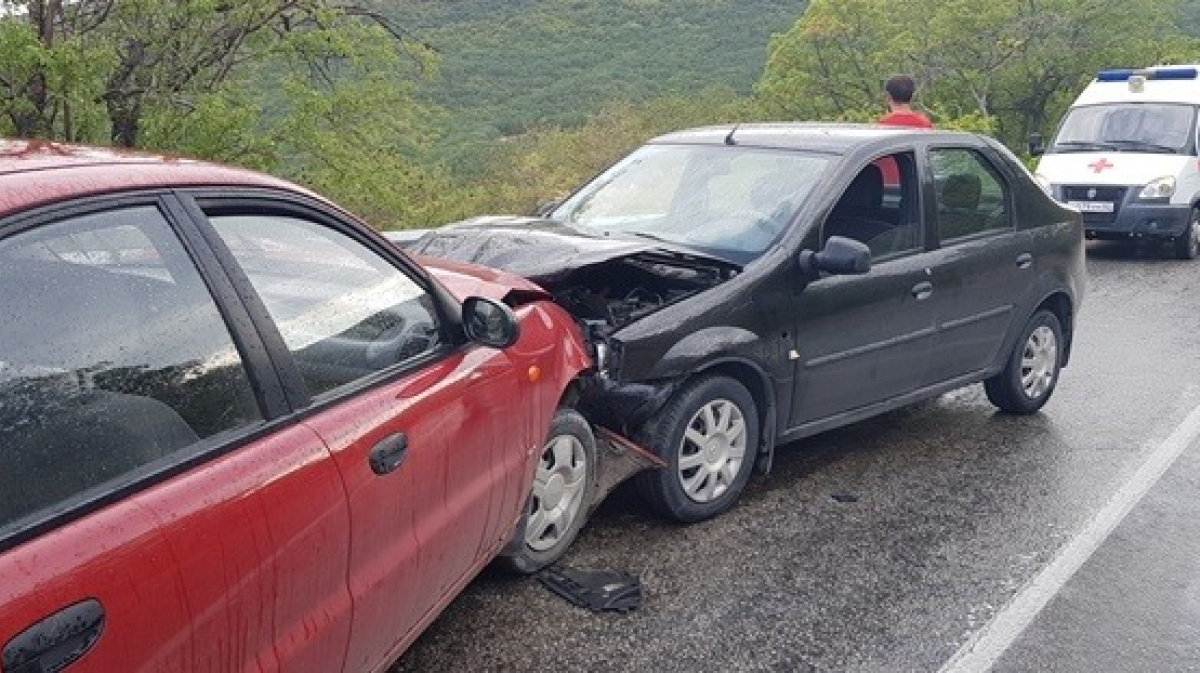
551	355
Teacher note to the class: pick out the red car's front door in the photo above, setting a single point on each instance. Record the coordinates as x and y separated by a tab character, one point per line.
419	531
412	420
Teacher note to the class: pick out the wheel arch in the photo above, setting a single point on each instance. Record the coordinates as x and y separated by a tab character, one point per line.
1060	305
758	384
738	353
571	392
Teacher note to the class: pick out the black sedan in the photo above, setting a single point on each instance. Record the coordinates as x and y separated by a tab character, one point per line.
743	287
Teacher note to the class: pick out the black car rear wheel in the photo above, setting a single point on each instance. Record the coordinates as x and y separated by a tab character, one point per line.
708	434
1032	370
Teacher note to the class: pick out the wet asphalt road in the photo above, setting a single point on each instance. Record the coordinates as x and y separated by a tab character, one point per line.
954	511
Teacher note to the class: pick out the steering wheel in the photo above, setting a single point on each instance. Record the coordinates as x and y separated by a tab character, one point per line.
399	340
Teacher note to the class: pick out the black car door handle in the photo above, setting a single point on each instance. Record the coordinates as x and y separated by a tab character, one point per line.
922	290
389	453
55	642
1024	260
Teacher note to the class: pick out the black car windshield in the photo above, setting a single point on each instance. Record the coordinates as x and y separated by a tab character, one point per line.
1164	128
722	199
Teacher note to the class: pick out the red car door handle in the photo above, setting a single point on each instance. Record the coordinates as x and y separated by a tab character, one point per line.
388	453
922	290
55	642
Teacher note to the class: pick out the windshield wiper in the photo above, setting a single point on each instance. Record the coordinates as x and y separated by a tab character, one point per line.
672	245
652	237
1146	145
1082	145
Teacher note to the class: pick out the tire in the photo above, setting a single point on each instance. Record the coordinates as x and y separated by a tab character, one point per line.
1187	246
1029	377
701	482
560	497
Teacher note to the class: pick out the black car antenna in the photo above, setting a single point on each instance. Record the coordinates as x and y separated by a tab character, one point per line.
729	138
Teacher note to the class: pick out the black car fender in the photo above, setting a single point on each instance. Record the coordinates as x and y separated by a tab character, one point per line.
1060	284
1049	293
738	353
707	344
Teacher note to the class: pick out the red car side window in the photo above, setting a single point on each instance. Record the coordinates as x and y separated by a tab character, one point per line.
343	311
113	356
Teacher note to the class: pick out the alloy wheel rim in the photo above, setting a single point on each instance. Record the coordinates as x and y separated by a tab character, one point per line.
558	489
712	451
1039	362
1194	238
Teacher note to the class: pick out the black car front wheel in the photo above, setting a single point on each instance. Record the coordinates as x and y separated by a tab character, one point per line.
1032	370
708	434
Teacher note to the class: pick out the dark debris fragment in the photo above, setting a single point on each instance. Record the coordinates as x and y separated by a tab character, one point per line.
596	590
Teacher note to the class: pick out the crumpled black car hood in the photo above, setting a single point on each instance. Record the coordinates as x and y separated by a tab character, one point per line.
541	250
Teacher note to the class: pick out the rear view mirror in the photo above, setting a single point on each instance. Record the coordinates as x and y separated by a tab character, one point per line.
840	256
1036	145
489	323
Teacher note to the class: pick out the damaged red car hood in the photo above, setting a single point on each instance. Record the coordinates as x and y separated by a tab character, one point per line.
539	249
470	280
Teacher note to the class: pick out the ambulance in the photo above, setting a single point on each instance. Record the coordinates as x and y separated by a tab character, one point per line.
1125	155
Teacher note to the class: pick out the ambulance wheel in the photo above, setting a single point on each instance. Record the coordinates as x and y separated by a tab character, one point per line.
1187	246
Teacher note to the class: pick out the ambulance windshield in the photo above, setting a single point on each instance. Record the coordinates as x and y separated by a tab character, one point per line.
1161	128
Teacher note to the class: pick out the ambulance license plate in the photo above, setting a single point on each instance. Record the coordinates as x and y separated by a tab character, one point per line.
1092	206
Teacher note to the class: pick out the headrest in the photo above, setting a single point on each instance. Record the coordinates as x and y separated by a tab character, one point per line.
961	192
865	191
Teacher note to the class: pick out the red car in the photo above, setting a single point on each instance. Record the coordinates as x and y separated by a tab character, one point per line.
240	430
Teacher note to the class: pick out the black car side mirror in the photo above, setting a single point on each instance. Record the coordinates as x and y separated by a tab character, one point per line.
489	323
1036	145
840	256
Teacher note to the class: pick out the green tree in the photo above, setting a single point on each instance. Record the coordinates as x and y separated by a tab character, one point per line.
518	65
549	162
131	56
1013	64
319	91
828	65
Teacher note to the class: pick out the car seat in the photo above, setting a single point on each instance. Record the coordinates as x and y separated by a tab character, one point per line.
58	441
859	213
958	206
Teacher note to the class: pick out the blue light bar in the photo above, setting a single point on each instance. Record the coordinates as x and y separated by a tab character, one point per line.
1173	73
1123	74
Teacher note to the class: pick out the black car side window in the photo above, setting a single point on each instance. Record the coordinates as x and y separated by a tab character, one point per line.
113	356
879	208
343	311
971	197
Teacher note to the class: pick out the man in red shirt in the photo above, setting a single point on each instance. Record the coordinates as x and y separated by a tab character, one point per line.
900	89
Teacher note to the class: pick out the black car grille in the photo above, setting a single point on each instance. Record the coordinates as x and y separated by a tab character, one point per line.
1116	195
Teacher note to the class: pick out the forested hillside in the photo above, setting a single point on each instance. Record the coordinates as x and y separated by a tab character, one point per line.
419	112
507	65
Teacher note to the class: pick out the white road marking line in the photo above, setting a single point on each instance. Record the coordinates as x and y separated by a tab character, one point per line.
988	644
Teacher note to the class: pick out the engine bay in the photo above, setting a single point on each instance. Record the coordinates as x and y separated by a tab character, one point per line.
627	289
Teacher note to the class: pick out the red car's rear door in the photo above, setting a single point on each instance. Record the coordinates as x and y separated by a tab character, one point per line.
152	516
238	565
